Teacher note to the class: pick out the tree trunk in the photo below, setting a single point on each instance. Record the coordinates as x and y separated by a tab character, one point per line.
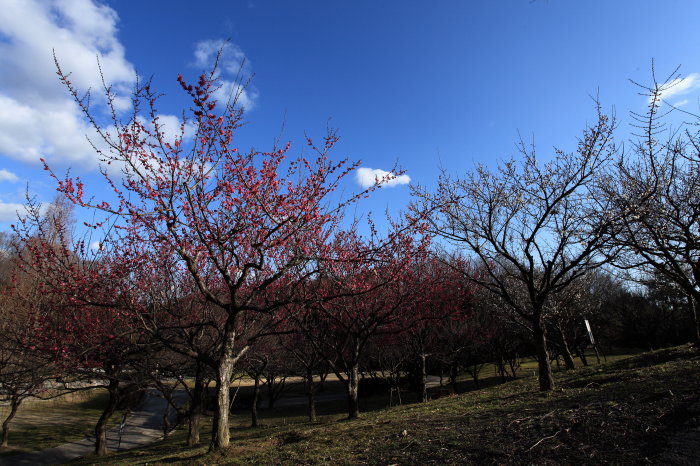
514	364
545	370
694	305
101	427
224	372
254	403
311	392
568	359
475	377
166	421
423	385
270	382
501	365
14	406
453	376
582	356
352	387
275	389
196	407
566	352
321	380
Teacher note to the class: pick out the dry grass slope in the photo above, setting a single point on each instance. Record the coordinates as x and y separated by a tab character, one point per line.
640	410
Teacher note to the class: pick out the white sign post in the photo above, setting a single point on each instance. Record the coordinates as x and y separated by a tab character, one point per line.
590	335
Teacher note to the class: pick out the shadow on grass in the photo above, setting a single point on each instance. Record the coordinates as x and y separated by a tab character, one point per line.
627	412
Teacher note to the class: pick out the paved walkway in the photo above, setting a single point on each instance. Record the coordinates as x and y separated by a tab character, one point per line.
144	426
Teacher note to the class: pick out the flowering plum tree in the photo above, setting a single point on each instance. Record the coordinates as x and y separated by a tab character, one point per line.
247	226
82	322
360	296
310	364
23	371
442	295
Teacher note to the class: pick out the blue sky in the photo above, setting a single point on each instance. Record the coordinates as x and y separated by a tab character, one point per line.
422	84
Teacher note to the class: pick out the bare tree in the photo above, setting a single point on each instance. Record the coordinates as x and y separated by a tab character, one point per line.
529	224
566	311
656	195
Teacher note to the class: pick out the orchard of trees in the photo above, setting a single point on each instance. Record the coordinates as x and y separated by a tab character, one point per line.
216	262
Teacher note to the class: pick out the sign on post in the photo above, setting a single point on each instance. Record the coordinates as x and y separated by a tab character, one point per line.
590	335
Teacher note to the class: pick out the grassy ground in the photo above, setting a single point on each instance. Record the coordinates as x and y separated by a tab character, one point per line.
641	410
48	423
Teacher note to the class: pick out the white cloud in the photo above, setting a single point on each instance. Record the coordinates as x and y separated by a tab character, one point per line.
37	116
96	246
367	177
10	212
6	175
28	132
680	86
680	103
233	64
243	96
170	126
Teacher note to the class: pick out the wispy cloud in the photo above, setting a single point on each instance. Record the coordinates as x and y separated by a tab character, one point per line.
680	86
367	177
680	103
234	71
7	176
10	212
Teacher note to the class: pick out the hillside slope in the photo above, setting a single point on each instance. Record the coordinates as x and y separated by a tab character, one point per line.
641	410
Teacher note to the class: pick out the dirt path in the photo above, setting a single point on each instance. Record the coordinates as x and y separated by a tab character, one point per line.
142	427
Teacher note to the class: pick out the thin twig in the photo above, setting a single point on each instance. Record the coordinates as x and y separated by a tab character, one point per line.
543	439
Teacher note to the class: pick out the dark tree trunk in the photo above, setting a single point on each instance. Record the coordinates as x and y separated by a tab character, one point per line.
353	393
475	376
513	365
14	406
423	385
545	370
582	356
321	381
270	382
101	427
568	359
501	365
275	389
196	407
311	391
453	376
166	421
566	352
694	305
254	403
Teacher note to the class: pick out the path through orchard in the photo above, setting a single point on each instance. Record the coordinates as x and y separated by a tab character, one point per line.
142	427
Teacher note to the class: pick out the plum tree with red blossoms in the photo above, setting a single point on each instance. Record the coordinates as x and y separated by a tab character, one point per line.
249	227
83	322
442	295
363	294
